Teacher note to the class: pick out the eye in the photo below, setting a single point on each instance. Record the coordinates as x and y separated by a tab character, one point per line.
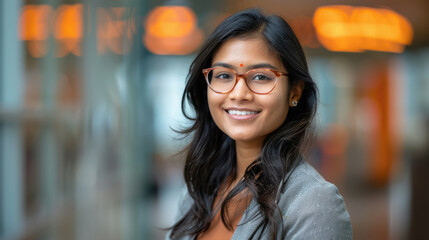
223	75
261	76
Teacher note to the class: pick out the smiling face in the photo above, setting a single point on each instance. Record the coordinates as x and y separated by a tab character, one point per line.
242	114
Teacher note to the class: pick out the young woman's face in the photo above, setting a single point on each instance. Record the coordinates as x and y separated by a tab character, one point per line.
262	113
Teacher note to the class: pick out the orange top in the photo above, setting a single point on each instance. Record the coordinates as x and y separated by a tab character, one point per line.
236	208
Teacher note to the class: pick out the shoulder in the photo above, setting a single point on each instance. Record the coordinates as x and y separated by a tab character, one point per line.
312	208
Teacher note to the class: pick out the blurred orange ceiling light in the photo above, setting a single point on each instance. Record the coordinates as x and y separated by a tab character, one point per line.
68	29
34	22
172	30
355	29
68	22
171	21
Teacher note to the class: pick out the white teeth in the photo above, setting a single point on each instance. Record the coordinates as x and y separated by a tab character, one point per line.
236	112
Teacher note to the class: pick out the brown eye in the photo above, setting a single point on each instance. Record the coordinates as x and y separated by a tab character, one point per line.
261	77
223	76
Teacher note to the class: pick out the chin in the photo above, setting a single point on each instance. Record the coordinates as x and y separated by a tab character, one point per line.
243	137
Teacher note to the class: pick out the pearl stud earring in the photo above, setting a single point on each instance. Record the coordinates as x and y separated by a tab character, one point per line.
294	103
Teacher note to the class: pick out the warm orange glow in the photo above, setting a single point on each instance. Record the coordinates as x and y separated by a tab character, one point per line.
356	29
33	28
171	21
68	29
34	22
172	30
381	142
68	22
169	29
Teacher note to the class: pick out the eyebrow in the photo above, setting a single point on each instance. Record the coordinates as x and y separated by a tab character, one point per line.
262	65
258	65
221	64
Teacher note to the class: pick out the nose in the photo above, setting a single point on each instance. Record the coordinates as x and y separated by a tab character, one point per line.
241	92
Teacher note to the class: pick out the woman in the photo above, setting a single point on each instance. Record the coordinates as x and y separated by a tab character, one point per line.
254	103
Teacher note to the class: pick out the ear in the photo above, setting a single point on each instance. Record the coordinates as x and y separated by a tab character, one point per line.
295	92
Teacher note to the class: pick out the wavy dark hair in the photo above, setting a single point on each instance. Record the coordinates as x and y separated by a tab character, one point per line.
210	156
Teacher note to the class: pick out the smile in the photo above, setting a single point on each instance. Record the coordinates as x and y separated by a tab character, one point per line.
241	113
245	114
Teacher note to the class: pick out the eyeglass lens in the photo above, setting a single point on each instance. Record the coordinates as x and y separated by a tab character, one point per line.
258	80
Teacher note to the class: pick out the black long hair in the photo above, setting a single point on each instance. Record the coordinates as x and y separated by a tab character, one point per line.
210	156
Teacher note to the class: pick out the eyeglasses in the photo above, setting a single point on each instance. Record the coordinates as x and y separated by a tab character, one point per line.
260	80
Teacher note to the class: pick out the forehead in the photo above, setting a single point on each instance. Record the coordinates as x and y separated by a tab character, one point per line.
247	51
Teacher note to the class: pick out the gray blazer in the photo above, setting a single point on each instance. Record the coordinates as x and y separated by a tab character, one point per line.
312	208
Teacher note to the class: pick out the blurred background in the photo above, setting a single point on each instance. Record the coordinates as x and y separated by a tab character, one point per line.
90	91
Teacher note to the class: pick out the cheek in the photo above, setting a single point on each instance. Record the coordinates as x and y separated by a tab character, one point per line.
279	109
214	102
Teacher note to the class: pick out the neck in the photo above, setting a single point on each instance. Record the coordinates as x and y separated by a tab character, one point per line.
247	152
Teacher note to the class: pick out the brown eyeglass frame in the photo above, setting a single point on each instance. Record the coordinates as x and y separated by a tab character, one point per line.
243	75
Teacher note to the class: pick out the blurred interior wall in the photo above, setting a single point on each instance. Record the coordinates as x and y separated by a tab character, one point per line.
11	82
75	136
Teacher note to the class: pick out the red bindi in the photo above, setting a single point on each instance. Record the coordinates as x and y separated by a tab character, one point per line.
241	64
